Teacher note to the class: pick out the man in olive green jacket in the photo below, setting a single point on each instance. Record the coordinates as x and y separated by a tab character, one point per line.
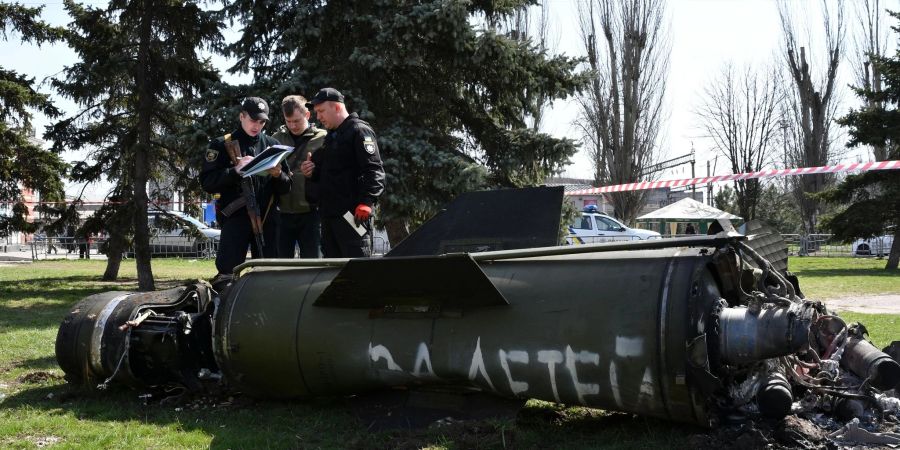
300	221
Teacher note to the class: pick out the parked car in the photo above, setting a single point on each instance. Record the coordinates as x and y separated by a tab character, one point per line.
173	233
876	246
593	227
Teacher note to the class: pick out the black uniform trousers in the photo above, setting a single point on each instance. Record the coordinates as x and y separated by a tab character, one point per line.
340	240
299	229
237	234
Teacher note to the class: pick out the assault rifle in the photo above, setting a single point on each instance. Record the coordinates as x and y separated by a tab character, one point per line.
234	152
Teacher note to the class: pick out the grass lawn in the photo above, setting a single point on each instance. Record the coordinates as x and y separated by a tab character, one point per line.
37	408
824	278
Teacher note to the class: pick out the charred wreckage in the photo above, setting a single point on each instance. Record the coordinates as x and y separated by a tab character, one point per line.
693	330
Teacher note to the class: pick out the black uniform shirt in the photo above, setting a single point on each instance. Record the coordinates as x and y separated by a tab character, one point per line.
219	176
348	168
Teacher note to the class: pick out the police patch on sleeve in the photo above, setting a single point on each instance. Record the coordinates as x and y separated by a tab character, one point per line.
211	155
369	144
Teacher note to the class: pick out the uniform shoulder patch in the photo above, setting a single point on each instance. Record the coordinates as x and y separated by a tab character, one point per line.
211	155
369	144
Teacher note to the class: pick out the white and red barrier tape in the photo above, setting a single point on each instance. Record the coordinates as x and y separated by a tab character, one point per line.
642	185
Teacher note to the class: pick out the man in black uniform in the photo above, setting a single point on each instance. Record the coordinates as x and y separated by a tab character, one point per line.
349	172
223	176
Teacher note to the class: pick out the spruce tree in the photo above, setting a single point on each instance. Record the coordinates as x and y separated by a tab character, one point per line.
139	61
23	162
445	91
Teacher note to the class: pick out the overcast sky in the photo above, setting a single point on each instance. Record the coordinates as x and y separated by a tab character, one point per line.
706	35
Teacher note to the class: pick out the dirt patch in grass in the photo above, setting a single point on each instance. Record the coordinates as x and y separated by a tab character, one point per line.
44	441
792	432
869	304
36	441
462	434
38	377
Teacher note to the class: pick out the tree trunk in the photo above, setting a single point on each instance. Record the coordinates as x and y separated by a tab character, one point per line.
747	193
115	245
894	257
141	157
625	93
627	205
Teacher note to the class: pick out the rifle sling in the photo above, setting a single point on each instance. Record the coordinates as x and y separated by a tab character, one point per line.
232	207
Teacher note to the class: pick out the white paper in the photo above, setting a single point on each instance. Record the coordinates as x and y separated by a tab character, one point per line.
361	230
266	160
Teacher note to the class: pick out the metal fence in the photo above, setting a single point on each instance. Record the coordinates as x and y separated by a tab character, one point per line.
69	247
380	246
826	245
65	247
578	240
798	244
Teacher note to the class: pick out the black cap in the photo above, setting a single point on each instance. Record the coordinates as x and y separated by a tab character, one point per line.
326	95
256	108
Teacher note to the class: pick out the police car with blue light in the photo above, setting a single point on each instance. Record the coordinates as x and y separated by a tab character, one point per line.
594	226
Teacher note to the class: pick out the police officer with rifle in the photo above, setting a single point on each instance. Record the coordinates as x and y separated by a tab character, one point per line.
247	208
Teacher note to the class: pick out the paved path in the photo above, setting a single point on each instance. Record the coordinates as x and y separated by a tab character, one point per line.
871	304
25	256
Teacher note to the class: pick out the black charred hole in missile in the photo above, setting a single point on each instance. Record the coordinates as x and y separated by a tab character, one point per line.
698	368
713	350
717	277
695	289
792	318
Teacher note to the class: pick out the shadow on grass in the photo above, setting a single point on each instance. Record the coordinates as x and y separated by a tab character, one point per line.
820	273
45	301
331	423
45	363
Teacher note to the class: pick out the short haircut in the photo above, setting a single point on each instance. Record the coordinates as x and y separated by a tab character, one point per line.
293	103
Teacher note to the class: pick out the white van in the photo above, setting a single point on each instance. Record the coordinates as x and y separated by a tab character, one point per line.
876	246
594	227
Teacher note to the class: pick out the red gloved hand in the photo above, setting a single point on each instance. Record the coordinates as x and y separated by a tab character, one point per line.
362	213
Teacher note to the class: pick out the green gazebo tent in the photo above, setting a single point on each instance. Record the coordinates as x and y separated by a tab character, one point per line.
676	218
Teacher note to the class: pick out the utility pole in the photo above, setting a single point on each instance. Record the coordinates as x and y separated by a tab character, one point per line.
693	175
709	200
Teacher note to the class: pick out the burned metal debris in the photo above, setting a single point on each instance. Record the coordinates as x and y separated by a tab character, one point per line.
706	330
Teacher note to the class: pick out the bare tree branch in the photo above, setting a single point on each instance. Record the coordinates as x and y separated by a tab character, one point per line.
812	106
622	110
741	113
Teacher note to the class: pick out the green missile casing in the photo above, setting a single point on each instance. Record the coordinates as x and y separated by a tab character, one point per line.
606	330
